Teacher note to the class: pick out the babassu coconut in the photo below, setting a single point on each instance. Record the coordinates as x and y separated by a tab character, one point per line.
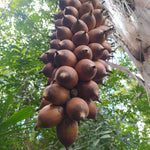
83	52
86	69
67	77
92	110
50	116
88	90
67	132
65	58
56	94
77	109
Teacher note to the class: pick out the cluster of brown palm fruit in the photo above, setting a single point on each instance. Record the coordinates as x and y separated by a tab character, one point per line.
74	66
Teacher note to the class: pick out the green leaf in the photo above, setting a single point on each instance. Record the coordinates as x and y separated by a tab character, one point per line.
17	50
12	131
23	51
105	132
106	136
4	106
11	141
16	147
123	117
13	6
16	117
96	142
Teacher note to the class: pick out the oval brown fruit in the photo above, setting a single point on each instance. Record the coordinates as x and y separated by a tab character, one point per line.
107	46
69	20
70	10
52	36
100	20
86	69
63	4
88	90
105	55
83	52
89	19
43	58
101	71
97	50
77	109
56	94
96	4
67	77
92	110
54	43
85	8
75	3
79	25
97	35
105	65
66	44
65	58
49	116
63	33
43	103
58	15
50	55
47	69
67	132
80	38
58	22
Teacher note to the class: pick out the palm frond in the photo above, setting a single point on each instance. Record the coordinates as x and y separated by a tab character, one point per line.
4	106
16	117
14	131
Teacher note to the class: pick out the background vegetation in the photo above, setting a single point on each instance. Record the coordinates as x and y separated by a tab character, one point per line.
123	118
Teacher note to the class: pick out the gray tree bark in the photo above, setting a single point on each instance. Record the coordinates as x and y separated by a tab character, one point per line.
131	20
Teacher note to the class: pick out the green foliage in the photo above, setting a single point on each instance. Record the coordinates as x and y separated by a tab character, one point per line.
23	38
11	126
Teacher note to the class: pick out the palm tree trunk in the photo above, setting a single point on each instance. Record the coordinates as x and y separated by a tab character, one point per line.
130	19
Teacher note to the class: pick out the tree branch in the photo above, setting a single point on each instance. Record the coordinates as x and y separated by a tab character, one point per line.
129	73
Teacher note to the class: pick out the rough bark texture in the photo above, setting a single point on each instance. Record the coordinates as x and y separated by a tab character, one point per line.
132	24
